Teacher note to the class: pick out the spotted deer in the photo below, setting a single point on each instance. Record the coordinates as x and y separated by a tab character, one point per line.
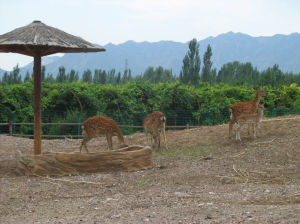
99	125
244	108
254	119
154	125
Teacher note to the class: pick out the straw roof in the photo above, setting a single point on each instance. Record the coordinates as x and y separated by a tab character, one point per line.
38	37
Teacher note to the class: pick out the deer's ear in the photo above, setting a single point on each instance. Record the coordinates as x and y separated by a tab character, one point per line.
255	88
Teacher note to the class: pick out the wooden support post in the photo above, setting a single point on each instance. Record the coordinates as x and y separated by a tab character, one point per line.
37	105
10	128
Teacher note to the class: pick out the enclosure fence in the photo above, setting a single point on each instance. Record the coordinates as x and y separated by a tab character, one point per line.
68	124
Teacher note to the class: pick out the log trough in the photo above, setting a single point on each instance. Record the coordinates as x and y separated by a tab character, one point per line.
132	158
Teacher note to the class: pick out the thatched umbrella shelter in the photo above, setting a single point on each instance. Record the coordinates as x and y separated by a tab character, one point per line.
37	40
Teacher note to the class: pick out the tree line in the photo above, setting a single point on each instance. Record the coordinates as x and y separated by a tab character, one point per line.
232	73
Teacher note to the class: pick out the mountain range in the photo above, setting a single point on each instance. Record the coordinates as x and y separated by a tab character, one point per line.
262	52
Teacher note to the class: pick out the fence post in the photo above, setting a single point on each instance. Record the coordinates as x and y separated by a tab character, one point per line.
187	126
78	127
273	112
10	128
208	119
13	123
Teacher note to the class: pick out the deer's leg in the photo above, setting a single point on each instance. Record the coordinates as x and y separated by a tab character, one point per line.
238	130
237	134
249	125
258	129
164	136
152	139
254	130
155	137
158	139
109	140
231	123
85	140
250	128
148	138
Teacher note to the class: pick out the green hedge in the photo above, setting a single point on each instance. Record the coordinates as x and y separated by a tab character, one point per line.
130	103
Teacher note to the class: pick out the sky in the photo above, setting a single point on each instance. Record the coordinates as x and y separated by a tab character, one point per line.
117	21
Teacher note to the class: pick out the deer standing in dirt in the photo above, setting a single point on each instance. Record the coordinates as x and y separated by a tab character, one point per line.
254	119
155	124
244	108
99	125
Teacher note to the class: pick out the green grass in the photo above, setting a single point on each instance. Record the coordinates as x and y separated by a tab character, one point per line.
295	177
193	152
143	182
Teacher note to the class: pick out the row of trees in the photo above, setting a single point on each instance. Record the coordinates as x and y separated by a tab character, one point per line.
99	76
232	73
152	75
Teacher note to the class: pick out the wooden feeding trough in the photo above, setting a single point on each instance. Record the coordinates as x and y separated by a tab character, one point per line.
132	158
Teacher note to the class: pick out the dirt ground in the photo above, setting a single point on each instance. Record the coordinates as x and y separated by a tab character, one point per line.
252	181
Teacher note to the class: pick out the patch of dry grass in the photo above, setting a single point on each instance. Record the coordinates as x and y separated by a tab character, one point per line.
181	152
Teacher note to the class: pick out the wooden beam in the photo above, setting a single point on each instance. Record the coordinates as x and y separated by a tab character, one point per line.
49	50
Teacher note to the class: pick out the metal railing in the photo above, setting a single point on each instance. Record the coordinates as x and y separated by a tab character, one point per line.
176	120
11	127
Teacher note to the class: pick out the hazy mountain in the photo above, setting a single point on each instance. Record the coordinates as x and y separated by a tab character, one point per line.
262	52
2	72
137	56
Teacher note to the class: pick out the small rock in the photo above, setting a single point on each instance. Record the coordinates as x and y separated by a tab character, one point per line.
208	158
34	185
180	194
226	180
5	181
209	216
115	216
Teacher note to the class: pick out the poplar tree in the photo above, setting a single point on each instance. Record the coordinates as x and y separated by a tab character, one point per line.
190	72
87	76
206	75
61	77
27	77
73	76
